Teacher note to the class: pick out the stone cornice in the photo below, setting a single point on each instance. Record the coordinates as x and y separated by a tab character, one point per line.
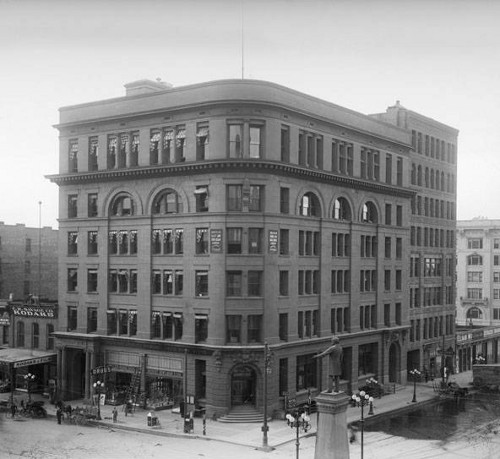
225	166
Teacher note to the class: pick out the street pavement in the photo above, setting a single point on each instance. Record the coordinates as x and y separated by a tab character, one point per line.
250	434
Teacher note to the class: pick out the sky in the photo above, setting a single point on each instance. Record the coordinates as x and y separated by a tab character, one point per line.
440	58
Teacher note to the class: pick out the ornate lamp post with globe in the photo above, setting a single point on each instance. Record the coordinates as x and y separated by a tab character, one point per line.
98	386
363	399
298	420
29	378
415	374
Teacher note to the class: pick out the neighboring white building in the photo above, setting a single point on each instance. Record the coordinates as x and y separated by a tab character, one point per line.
478	272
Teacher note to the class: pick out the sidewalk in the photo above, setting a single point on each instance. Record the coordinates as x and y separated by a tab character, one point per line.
250	434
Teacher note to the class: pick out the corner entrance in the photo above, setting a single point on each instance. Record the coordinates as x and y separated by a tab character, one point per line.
243	384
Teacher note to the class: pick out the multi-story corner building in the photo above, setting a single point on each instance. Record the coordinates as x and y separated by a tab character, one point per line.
28	262
433	172
199	223
478	290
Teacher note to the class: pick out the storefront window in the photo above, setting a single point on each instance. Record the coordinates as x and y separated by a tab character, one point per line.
306	372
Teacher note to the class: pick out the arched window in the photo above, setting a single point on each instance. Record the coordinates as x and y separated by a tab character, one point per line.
474	260
122	205
20	334
341	209
167	202
309	206
474	313
369	213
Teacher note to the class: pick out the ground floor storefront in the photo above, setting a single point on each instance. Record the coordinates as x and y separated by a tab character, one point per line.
477	345
214	379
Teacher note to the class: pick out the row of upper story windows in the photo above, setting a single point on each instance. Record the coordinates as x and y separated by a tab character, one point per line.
434	148
244	140
432	237
477	243
432	178
433	327
477	260
434	208
239	198
431	266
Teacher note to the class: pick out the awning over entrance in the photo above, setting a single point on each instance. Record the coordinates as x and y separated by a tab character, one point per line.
25	357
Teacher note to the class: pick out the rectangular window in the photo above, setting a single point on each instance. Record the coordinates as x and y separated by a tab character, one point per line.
92	281
399	280
256	198
399	248
112	151
388	247
35	336
202	138
123	242
234	283
200	328
474	293
168	282
388	214
256	139
92	205
92	243
201	195
285	144
254	331
475	243
156	324
72	318
387	315
201	283
399	171
283	283
156	282
201	241
399	215
73	243
234	198
254	283
233	329
123	281
72	206
284	200
50	336
496	243
234	240
367	359
73	156
179	241
113	243
387	280
91	320
179	282
283	327
235	141
72	280
496	276
306	372
284	242
180	145
474	276
93	153
388	168
255	240
123	322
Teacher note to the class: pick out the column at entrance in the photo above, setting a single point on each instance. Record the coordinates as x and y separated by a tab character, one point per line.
88	367
64	375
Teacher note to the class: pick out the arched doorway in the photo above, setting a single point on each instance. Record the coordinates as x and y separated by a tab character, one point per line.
243	384
394	363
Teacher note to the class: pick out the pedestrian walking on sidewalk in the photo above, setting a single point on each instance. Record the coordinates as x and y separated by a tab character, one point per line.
13	409
115	414
59	414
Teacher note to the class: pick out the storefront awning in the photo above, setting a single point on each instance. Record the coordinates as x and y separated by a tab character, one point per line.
25	357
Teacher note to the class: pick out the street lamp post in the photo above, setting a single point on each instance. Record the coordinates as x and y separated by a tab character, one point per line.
363	399
98	386
29	378
415	374
267	370
298	420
